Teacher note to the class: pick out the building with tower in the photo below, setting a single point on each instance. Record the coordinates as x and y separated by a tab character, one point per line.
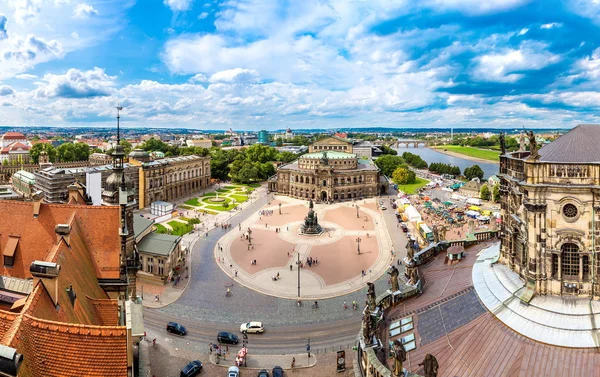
118	191
14	149
550	202
329	172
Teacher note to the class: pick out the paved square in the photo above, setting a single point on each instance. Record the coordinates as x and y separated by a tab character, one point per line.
275	242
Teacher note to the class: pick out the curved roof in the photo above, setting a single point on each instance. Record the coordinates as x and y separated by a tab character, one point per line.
332	155
580	145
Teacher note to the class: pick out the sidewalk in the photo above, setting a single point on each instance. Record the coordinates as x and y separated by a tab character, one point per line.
268	361
168	293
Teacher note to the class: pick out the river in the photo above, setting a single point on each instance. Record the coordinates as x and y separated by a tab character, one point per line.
431	155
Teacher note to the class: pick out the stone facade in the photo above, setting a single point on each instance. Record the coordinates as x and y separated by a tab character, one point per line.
328	174
550	205
171	178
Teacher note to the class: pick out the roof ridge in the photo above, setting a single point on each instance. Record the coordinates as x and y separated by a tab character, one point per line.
44	323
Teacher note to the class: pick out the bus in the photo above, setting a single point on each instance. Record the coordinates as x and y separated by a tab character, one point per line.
426	232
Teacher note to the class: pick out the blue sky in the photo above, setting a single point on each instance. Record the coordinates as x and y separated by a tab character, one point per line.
269	64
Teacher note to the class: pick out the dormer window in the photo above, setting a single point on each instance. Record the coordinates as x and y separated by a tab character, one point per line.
9	251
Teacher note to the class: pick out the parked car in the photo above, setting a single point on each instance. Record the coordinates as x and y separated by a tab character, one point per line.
252	328
263	373
277	371
192	369
176	328
404	227
227	337
233	372
383	208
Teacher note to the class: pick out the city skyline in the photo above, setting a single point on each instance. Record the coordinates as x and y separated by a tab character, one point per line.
252	65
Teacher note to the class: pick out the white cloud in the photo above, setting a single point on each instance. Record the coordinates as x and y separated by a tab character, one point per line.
83	11
178	5
551	25
25	10
508	65
76	84
476	6
237	75
26	76
523	31
198	78
23	53
202	15
75	35
6	90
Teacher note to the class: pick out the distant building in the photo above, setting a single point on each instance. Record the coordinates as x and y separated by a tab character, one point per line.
100	159
201	143
363	149
14	148
341	135
160	256
329	173
263	137
472	188
287	135
23	182
250	139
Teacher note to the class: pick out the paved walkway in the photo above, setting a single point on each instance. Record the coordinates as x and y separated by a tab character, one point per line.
338	271
268	361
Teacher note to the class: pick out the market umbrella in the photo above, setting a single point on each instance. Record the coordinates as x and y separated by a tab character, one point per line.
448	203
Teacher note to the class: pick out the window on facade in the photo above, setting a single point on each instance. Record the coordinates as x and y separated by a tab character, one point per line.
161	267
586	267
569	211
150	267
554	265
9	261
570	260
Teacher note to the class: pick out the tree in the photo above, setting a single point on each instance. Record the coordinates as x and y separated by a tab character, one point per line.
496	193
279	142
388	163
5	163
70	152
474	171
35	151
193	221
403	175
225	205
484	193
385	149
286	156
414	160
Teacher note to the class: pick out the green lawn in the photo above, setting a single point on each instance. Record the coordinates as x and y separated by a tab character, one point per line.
239	198
229	187
160	229
209	194
412	188
472	152
223	190
220	207
185	207
207	201
179	229
193	202
184	218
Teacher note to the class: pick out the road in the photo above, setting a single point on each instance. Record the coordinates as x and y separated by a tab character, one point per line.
204	310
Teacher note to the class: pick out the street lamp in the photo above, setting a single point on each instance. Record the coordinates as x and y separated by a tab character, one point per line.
358	241
357	216
280	208
249	236
298	263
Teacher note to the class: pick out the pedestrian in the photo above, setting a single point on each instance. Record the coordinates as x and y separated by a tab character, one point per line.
290	267
345	305
293	364
210	348
236	273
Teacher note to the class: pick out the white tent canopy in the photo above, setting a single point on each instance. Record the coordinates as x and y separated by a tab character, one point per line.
413	214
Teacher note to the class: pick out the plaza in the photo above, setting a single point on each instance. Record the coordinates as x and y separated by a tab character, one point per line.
274	241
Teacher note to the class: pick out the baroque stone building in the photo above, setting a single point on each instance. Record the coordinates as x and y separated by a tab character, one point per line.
550	205
329	172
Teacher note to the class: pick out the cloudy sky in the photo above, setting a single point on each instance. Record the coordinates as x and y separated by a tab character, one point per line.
254	64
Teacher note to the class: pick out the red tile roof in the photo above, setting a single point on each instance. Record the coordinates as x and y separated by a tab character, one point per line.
57	349
99	227
13	136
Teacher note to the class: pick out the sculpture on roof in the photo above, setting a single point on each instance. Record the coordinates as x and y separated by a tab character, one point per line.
393	272
399	357
367	327
521	142
325	159
533	146
371	296
502	143
430	365
410	248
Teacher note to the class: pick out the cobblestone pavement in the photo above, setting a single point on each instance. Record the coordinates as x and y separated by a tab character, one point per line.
449	316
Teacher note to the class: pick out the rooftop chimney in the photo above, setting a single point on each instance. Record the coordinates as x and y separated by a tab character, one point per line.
62	231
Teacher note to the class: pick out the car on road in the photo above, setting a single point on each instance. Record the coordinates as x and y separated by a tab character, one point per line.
252	328
176	328
277	371
263	373
233	372
383	208
192	369
404	227
227	337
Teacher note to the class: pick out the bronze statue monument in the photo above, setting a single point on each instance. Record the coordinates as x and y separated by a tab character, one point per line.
311	222
412	273
436	234
393	272
371	296
410	248
430	365
399	358
368	327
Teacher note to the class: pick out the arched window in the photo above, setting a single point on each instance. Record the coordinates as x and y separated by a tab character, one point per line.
570	260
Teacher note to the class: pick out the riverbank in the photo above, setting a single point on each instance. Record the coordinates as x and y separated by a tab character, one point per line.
441	149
